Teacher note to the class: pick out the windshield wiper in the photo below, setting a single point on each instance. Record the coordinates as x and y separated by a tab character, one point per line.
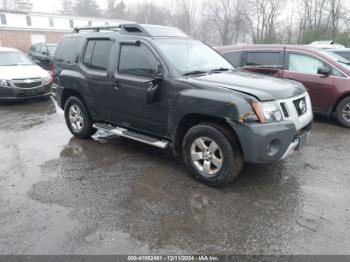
221	69
195	72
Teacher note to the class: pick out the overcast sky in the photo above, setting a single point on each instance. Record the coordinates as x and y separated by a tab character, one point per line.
55	5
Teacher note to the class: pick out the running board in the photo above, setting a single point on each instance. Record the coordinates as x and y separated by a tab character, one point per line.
132	135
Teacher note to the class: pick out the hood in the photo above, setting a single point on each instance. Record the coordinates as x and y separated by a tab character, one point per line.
265	88
21	72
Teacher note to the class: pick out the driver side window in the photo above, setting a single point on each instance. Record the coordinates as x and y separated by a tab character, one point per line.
305	64
137	60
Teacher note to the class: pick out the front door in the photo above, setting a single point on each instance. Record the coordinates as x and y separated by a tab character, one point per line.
133	80
303	68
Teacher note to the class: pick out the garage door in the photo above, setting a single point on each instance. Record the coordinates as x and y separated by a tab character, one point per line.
38	38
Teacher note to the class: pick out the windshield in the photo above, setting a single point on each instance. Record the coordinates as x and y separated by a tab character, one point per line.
14	59
191	56
337	58
52	49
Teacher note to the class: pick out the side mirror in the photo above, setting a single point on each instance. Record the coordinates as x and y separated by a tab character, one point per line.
324	71
159	73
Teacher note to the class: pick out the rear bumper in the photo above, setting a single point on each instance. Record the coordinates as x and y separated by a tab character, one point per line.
22	94
267	143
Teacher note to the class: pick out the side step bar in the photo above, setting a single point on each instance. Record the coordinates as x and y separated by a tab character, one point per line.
132	135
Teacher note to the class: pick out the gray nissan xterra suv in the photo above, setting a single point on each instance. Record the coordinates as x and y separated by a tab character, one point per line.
156	85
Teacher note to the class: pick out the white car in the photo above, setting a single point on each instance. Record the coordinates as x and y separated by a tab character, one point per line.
21	78
327	45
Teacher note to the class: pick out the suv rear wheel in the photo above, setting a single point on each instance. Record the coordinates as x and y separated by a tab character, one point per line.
78	119
343	112
212	155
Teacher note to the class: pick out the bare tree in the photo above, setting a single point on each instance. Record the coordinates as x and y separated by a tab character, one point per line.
150	13
229	18
262	16
184	16
335	15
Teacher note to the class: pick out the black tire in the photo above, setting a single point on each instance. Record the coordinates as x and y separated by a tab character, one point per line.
344	105
87	129
231	159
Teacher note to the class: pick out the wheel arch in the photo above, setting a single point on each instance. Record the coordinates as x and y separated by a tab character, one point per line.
341	98
194	119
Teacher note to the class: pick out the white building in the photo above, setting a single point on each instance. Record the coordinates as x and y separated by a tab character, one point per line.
20	30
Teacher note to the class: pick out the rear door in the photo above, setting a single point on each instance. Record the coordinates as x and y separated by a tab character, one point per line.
97	61
303	68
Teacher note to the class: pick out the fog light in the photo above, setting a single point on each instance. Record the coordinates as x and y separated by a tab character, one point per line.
274	147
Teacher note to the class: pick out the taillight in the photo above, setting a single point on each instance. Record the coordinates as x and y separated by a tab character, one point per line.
53	72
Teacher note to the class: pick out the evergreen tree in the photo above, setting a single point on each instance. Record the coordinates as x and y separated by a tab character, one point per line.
87	8
67	7
116	10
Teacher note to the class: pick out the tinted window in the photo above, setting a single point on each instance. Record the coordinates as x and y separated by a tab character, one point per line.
264	58
137	61
67	50
234	58
97	54
305	64
43	49
88	53
3	19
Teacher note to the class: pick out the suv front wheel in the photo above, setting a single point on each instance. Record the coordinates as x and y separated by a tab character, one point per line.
78	119
343	112
212	154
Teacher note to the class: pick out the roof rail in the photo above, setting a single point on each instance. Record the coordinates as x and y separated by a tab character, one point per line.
122	28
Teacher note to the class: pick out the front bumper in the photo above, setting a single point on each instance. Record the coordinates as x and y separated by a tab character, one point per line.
20	94
266	143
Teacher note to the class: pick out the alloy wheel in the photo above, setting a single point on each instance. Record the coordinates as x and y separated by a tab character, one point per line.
206	156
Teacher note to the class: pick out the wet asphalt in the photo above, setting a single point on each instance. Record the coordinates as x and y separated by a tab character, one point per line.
109	195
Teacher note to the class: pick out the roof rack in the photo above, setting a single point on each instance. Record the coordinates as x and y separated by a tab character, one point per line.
122	28
136	29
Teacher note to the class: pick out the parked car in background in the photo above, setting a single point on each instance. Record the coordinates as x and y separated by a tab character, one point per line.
330	44
344	52
42	54
154	85
325	74
21	78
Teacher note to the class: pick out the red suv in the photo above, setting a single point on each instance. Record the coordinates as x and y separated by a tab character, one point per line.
325	74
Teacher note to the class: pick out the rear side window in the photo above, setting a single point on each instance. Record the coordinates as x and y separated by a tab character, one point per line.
97	54
137	60
304	64
67	50
264	59
235	58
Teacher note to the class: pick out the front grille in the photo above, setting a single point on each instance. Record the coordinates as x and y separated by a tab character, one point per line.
284	109
27	83
300	106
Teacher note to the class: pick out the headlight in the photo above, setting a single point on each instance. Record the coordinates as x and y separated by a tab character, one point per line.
267	112
47	80
4	83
